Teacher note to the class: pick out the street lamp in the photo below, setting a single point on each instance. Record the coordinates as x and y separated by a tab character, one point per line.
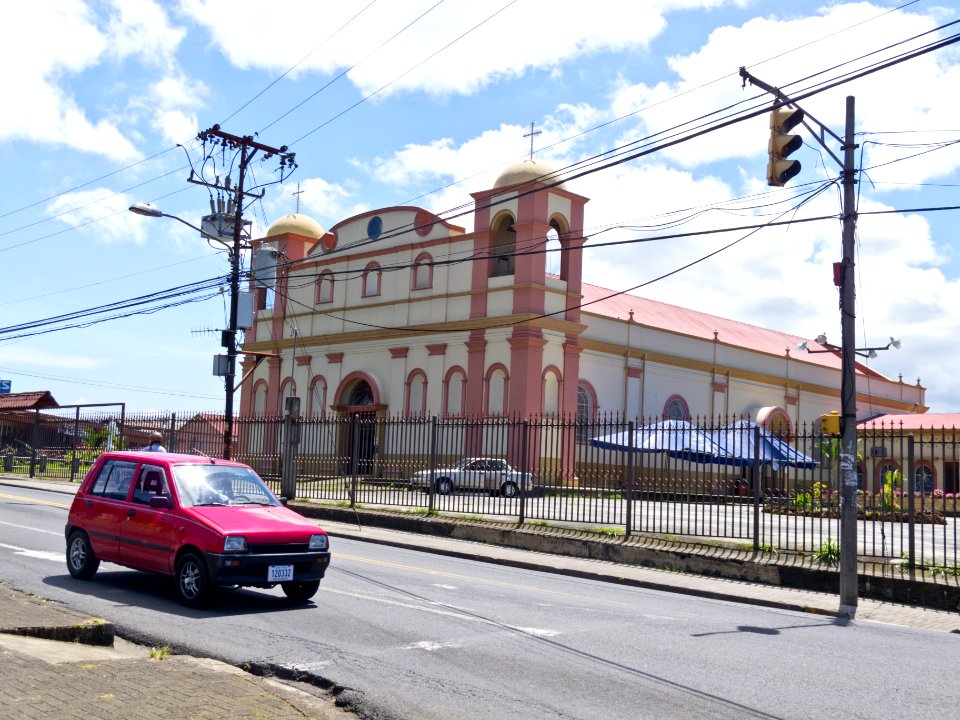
230	336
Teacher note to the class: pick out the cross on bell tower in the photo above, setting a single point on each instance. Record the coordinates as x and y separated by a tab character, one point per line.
531	135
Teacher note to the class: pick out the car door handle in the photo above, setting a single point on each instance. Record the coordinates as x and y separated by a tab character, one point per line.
131	512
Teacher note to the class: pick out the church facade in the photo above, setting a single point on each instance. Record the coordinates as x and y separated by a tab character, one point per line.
396	312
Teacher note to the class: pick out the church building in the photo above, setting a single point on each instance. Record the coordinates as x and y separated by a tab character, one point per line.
397	312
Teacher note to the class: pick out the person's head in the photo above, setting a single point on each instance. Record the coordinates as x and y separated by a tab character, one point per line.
156	437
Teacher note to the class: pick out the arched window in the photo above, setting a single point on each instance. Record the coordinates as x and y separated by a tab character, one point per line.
288	388
260	399
416	403
497	390
923	478
360	394
886	471
371	280
676	408
325	287
318	398
504	246
422	272
586	412
453	392
553	251
551	391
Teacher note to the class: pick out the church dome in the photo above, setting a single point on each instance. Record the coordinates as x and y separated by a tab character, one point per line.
297	225
526	171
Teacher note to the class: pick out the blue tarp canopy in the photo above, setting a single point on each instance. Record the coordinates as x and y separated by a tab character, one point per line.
732	445
679	438
737	441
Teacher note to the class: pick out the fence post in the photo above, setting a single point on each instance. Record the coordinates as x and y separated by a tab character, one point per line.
524	465
35	441
354	451
911	509
432	486
291	439
172	432
629	479
75	461
756	474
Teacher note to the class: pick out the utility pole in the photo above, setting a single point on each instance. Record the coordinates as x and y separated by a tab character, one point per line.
848	373
248	148
848	383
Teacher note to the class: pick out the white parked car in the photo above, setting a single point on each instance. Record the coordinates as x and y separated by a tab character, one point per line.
490	474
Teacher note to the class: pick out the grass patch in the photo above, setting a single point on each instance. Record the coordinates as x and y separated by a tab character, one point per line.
160	653
426	512
538	523
828	553
470	518
610	531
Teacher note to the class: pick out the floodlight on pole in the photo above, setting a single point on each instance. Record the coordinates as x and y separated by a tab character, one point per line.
867	352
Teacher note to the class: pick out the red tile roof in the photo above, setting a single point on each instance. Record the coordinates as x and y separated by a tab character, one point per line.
929	421
39	399
671	318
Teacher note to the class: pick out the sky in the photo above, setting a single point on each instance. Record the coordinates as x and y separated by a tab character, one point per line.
421	102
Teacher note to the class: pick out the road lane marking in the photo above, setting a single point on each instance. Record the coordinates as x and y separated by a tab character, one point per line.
25	527
447	612
37	554
631	606
35	501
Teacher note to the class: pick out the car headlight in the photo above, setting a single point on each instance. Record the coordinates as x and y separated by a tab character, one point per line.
234	544
318	542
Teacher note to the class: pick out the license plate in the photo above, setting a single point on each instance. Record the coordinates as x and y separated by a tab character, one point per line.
279	573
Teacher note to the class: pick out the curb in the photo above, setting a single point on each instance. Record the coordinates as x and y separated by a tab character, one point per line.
705	561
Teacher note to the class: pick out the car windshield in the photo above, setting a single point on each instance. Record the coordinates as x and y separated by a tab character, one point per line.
209	484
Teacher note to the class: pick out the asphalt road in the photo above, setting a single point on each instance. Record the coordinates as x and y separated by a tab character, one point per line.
424	636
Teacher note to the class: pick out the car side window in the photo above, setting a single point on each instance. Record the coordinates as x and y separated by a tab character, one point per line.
495	465
114	479
150	483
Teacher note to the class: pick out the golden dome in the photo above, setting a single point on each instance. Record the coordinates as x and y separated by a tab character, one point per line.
527	171
297	225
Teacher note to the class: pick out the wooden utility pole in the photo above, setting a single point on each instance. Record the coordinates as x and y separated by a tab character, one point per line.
248	148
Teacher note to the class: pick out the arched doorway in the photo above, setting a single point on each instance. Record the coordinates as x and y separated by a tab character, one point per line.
358	403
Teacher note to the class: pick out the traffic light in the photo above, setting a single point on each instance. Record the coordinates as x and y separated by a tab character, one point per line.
779	169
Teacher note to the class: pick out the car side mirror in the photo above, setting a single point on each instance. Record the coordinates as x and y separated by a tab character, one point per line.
160	502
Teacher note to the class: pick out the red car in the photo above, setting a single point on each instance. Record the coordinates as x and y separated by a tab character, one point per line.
207	522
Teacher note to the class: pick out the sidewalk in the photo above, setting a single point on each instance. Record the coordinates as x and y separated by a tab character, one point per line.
55	663
76	672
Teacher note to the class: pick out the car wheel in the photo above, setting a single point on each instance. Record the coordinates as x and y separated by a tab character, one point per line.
300	592
444	486
81	562
508	489
193	582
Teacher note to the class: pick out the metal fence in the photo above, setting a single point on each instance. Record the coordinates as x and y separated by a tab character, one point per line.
761	491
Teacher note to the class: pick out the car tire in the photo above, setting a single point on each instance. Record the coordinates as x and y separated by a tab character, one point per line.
193	581
300	592
81	561
444	486
508	489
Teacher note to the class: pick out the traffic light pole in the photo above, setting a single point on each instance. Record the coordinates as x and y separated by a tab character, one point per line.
848	373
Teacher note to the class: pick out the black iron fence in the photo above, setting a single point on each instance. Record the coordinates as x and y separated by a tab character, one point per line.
717	477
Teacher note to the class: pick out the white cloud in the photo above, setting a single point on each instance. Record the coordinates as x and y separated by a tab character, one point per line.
33	68
523	37
21	355
326	202
101	213
140	28
706	79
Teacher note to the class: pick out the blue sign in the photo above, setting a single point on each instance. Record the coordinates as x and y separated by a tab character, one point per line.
4	386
